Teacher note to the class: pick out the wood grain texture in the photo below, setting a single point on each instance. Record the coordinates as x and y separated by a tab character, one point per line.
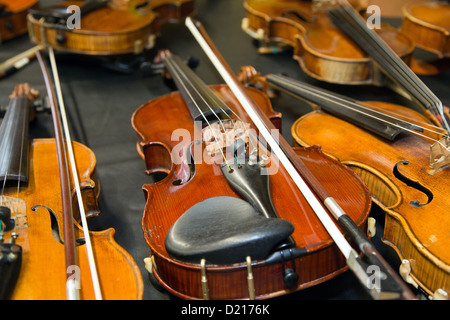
43	275
419	234
110	30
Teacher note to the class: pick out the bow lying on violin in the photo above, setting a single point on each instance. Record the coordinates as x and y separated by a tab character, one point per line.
391	284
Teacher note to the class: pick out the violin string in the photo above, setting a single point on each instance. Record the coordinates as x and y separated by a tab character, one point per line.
378	110
3	200
87	238
15	210
213	96
422	124
249	135
4	183
388	58
178	76
6	173
347	104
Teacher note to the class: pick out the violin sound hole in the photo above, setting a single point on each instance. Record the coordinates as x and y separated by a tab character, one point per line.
54	224
413	184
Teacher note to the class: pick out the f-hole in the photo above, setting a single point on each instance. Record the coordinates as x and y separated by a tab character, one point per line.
413	184
55	225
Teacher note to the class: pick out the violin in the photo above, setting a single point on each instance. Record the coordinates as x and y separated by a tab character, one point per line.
402	157
189	186
107	27
35	224
322	50
13	17
225	220
427	23
396	74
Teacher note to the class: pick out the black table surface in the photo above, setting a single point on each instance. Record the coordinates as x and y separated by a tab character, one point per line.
101	101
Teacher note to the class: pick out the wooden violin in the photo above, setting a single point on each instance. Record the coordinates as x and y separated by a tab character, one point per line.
402	157
226	221
33	206
396	74
321	48
428	24
189	186
107	27
13	17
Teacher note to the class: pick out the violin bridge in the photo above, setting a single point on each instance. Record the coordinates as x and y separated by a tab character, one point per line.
250	279
440	154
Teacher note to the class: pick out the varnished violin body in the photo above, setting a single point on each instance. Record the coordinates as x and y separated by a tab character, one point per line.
321	48
188	187
428	24
398	175
13	17
118	27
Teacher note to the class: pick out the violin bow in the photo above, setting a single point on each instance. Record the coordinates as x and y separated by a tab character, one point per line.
72	283
306	181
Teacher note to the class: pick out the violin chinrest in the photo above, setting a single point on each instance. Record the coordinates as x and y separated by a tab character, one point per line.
10	262
225	230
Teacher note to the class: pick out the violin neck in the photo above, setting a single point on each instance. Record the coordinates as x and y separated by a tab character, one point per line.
342	107
203	104
405	80
14	141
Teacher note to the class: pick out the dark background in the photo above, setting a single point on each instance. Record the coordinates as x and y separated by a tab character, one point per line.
100	103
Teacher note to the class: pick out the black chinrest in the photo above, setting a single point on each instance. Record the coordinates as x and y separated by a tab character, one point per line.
225	230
